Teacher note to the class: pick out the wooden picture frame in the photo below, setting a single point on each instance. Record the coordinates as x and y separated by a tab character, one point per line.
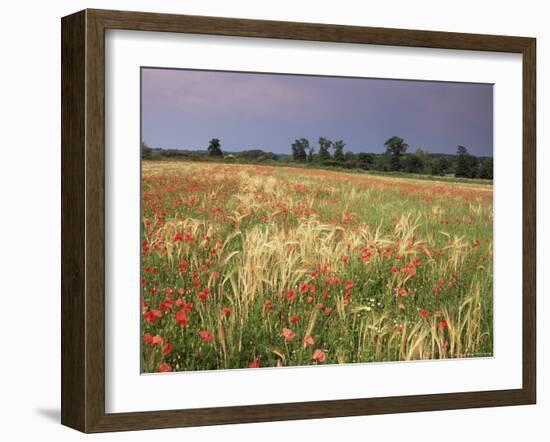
83	220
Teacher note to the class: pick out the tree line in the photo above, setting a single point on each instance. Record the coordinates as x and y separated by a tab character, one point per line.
330	153
394	159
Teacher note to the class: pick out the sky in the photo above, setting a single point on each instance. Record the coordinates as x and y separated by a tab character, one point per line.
186	108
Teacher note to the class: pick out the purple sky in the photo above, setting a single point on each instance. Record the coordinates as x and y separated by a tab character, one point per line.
185	109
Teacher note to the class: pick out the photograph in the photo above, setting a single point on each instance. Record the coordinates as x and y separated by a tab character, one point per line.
294	220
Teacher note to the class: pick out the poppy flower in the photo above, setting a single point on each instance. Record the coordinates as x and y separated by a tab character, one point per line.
164	368
294	319
424	314
157	340
255	363
206	336
268	304
309	341
290	295
166	349
152	315
443	325
227	311
288	334
319	355
147	338
181	317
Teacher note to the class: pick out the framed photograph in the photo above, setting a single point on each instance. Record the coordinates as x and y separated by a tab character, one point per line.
268	220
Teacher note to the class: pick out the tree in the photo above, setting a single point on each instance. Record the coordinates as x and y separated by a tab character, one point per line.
339	151
299	148
324	146
214	148
440	166
395	148
365	160
146	152
414	163
486	169
310	153
462	162
350	160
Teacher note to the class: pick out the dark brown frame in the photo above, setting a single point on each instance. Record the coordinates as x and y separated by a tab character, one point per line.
83	216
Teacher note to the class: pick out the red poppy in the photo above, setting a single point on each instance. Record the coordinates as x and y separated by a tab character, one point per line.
164	368
152	315
443	325
294	319
181	317
255	363
147	337
290	295
288	334
268	304
319	355
157	340
309	341
166	349
227	311
424	313
206	336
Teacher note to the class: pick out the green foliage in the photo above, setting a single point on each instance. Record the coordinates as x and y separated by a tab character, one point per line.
214	148
414	163
440	166
366	160
324	146
486	169
395	148
299	148
466	164
339	151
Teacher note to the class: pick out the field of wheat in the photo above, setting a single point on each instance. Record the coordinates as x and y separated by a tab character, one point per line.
247	266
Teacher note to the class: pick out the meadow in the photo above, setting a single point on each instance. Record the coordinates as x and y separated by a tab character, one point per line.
249	266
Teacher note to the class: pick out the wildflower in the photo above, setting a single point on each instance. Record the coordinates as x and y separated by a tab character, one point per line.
147	338
443	325
255	363
288	334
424	314
206	336
227	311
164	368
294	319
152	315
166	349
319	356
181	318
290	295
309	341
157	340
